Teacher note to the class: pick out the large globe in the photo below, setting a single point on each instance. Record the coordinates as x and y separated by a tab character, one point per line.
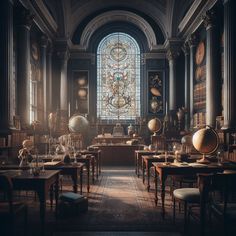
154	125
78	124
205	140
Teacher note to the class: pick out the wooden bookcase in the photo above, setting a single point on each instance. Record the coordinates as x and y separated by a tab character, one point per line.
199	87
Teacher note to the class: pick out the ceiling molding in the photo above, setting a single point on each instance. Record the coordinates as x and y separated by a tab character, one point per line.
112	16
193	18
47	27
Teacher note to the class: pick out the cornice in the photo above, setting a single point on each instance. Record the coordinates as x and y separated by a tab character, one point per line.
41	22
193	18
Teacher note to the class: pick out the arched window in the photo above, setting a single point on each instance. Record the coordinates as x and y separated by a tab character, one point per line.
118	78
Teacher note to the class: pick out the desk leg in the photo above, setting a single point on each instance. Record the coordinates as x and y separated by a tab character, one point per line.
97	165
163	186
88	175
51	195
81	180
156	176
93	169
148	175
143	168
42	202
99	162
74	178
56	194
136	164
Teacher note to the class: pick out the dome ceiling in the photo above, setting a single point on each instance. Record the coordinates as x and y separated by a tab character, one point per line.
160	14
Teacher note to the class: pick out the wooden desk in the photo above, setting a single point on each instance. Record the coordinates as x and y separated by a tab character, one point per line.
115	139
147	164
118	155
23	180
83	159
163	171
74	170
138	158
98	159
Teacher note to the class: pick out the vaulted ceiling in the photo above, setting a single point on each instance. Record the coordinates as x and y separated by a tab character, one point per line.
163	15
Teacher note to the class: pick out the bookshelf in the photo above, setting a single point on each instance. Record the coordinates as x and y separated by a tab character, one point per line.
199	87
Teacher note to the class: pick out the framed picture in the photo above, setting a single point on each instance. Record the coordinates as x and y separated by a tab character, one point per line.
81	88
155	92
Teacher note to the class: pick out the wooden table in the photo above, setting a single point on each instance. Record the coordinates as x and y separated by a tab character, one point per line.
138	159
86	159
74	170
118	154
98	158
42	184
163	171
147	164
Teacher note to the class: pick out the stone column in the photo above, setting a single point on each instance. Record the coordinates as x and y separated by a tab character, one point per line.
23	69
64	56
212	69
49	79
43	44
6	58
229	65
185	49
192	46
171	56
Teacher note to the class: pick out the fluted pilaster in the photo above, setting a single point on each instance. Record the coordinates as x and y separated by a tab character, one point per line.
43	44
25	20
49	78
229	65
63	56
192	45
185	49
212	69
6	72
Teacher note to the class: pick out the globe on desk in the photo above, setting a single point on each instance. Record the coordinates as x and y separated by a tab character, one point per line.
205	141
154	125
78	124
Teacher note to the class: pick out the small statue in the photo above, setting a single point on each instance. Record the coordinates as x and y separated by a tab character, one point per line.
23	156
130	130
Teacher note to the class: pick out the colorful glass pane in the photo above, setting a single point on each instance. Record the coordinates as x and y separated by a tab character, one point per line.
118	78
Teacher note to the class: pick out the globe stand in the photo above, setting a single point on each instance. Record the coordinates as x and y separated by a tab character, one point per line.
203	160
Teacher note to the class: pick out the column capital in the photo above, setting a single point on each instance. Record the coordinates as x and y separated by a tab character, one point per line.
172	54
192	40
209	19
63	55
50	48
25	18
173	47
44	41
185	48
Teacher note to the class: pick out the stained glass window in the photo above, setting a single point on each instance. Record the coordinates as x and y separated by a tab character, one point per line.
118	78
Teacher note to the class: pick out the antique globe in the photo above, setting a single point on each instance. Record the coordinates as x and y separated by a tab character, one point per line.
154	125
205	141
78	124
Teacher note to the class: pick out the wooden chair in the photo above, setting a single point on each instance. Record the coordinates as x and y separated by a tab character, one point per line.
9	208
218	197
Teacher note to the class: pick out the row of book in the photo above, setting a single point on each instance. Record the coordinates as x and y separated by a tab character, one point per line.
13	140
199	119
201	105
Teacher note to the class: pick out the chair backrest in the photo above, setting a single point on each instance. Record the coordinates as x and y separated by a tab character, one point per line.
6	187
224	183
